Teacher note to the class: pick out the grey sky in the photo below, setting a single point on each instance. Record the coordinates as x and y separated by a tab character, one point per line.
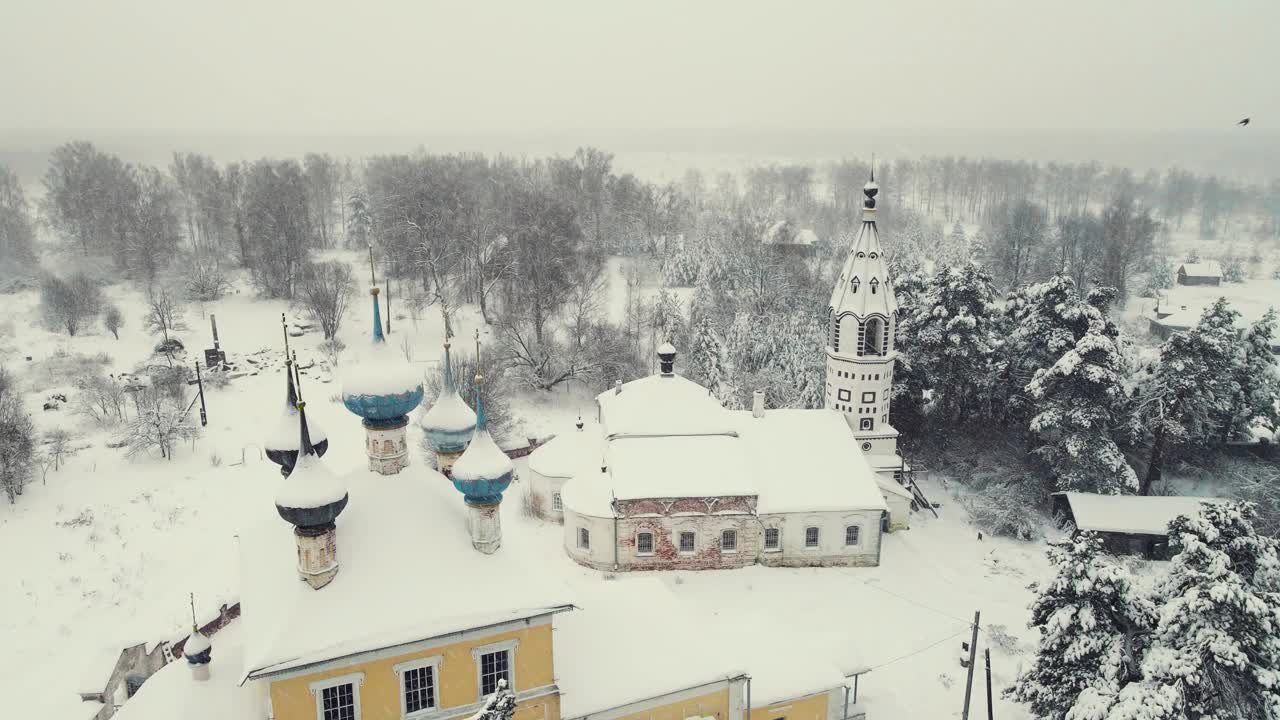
370	67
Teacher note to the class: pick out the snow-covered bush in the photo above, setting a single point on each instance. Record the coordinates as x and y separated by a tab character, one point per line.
159	423
70	304
113	320
100	398
1005	509
205	279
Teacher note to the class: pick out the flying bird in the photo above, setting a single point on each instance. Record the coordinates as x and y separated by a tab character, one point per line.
1243	122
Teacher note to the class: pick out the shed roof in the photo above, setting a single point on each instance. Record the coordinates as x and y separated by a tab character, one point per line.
1207	269
1133	514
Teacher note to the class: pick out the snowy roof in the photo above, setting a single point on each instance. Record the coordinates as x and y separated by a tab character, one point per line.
197	642
172	693
289	625
679	466
482	460
618	648
284	435
662	405
891	486
780	234
311	484
563	455
820	469
1138	515
450	413
1208	268
378	370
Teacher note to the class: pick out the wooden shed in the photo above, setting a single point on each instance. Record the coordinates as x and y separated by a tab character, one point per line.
1201	273
1128	524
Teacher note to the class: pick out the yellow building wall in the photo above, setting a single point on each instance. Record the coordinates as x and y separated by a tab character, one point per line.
812	707
291	698
713	704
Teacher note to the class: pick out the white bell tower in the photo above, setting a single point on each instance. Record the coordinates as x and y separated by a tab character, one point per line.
861	323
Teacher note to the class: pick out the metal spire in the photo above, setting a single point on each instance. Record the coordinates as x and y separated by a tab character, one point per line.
481	423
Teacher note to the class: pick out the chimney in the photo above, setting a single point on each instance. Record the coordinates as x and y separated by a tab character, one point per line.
757	404
666	359
617	387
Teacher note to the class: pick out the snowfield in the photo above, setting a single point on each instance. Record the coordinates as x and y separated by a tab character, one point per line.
104	552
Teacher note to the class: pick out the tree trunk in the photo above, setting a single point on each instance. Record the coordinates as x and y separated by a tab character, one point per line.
1156	464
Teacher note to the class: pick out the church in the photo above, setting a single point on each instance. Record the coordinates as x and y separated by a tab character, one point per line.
667	478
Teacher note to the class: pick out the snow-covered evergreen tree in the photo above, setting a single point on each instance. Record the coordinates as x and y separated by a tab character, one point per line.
1216	651
1257	384
708	362
1077	399
955	332
909	382
1091	621
1191	391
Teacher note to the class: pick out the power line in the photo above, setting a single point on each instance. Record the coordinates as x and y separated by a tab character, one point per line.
913	653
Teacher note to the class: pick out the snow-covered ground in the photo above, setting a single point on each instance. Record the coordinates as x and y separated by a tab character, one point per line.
104	552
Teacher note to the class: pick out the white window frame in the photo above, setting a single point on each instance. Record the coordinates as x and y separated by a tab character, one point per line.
507	646
734	550
584	538
400	669
817	543
680	548
844	395
652	539
776	547
857	535
557	504
868	397
355	680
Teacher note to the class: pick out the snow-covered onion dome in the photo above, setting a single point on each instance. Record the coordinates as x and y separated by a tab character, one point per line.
483	472
281	444
310	499
380	386
450	422
667	358
197	649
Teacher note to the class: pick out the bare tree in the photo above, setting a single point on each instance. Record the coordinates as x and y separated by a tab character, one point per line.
164	310
57	444
17	443
70	304
159	425
113	320
325	291
100	399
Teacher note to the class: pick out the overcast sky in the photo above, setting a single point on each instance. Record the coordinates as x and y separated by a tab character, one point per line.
401	67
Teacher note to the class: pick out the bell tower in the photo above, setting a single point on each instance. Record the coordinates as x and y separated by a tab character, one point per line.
861	322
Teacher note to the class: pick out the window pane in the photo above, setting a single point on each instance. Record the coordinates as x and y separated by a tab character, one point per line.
686	542
771	538
584	538
811	537
339	702
556	503
419	689
644	542
729	540
493	667
851	535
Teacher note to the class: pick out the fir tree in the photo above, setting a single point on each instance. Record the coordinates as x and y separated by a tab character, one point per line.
955	333
1090	620
906	413
1216	651
1078	399
1257	385
708	362
1191	390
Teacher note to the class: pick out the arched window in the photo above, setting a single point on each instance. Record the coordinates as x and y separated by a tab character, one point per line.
854	283
875	285
872	337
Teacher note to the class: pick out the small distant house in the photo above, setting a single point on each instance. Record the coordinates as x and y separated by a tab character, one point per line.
1128	524
1201	273
784	237
1165	322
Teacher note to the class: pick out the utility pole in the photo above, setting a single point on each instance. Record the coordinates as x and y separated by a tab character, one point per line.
986	653
204	415
972	647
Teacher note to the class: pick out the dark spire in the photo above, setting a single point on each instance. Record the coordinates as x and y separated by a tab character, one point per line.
870	190
448	370
304	444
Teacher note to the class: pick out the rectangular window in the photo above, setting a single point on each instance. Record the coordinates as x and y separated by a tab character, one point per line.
686	542
494	666
851	535
811	537
729	541
584	539
644	543
771	538
868	397
419	688
867	424
556	503
338	702
844	395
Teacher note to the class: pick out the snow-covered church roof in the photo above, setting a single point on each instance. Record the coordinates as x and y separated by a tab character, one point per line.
562	455
371	603
665	436
864	288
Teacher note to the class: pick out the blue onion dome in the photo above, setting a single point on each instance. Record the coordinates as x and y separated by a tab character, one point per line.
197	649
281	444
483	472
450	421
311	495
380	385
